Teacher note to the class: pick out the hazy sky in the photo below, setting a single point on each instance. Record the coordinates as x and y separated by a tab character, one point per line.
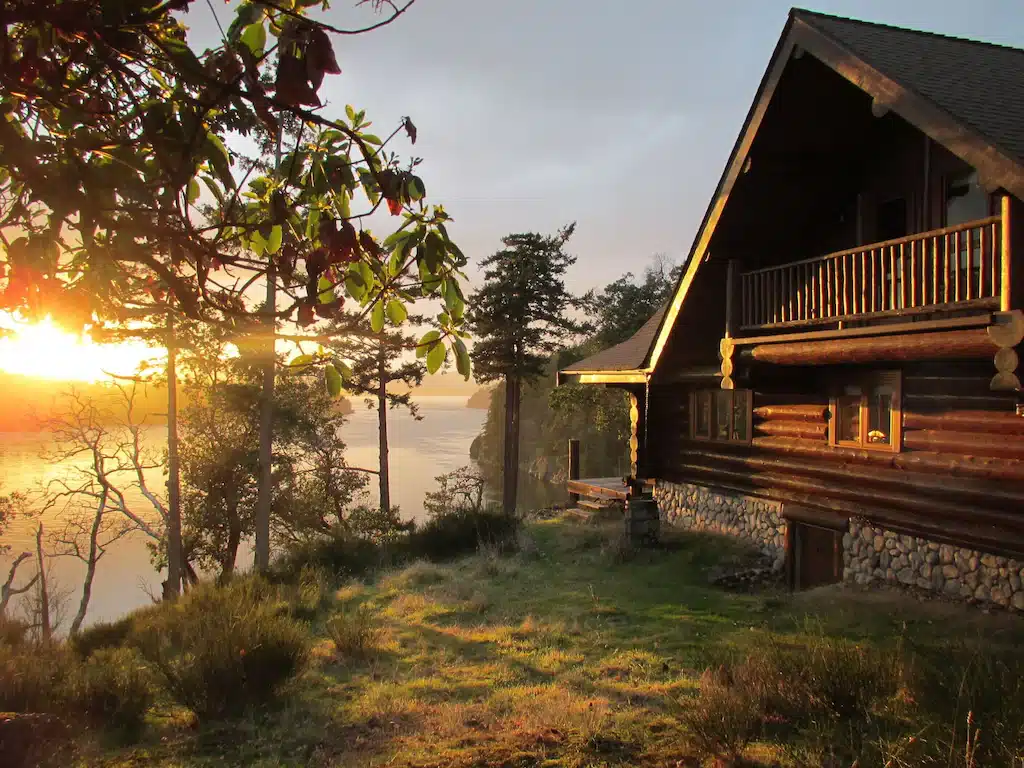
618	114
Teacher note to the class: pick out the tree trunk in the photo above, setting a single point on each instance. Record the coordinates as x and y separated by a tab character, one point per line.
382	420
44	595
265	488
172	587
8	590
510	470
90	564
227	566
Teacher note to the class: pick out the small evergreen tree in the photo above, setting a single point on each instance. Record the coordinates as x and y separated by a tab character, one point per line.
520	317
378	362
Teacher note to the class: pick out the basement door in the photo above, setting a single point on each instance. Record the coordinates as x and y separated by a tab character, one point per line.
817	555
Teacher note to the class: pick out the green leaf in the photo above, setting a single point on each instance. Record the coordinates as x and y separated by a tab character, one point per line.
342	205
370	138
396	237
193	190
462	359
377	317
436	357
355	285
274	241
342	368
325	286
301	361
350	112
313	224
424	343
254	37
396	312
334	382
257	243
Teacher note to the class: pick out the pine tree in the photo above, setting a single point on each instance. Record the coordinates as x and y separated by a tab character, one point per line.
519	318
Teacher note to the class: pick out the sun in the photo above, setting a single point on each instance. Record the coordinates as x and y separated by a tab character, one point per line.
46	351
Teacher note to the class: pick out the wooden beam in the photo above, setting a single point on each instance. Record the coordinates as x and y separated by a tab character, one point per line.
947	345
974	321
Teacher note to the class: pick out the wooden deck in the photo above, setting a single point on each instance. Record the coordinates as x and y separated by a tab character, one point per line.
601	487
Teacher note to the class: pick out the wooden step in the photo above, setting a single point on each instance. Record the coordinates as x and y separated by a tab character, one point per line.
594	504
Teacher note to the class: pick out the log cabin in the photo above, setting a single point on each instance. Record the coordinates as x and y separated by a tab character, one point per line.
836	374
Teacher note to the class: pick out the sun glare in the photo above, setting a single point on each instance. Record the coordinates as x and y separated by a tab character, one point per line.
46	351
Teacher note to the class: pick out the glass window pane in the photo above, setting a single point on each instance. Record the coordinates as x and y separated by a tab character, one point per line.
880	416
723	404
848	418
703	427
740	410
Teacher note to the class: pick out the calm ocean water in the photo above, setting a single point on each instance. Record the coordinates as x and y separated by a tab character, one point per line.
419	451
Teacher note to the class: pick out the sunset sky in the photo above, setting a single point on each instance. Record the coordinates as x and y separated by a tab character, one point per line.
534	113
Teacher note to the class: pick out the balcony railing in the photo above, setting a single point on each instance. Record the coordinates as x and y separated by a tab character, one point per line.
957	267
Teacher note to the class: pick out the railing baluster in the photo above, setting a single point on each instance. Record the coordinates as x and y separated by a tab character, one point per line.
935	269
984	271
945	268
957	269
903	276
794	289
993	245
970	265
913	274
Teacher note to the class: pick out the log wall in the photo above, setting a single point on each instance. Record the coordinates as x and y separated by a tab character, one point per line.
959	477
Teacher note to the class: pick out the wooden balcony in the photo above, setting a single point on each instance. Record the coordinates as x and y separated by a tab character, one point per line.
936	272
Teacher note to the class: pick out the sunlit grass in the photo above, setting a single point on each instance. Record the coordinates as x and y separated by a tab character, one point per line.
558	656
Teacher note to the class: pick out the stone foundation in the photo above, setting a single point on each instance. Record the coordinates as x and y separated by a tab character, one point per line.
697	508
872	554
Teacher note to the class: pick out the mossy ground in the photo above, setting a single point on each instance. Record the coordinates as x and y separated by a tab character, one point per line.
570	653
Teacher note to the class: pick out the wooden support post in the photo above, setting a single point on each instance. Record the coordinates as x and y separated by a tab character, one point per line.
574	466
634	436
1011	285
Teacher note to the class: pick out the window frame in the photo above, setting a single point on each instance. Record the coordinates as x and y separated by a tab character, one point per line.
865	384
711	397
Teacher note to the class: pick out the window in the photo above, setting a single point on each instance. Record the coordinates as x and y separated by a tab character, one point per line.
721	415
866	413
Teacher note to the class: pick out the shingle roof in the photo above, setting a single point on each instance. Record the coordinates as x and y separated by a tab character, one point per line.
980	85
627	356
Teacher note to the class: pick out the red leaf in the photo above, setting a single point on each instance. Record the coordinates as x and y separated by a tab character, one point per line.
395	206
410	129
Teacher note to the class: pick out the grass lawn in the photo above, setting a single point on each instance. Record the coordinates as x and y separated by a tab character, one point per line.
572	653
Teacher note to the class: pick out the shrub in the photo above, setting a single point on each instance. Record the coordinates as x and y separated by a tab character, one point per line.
463	531
112	688
32	678
353	632
339	553
112	634
12	631
221	650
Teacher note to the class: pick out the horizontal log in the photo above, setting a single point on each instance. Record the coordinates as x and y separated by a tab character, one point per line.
968	386
954	517
988	422
863	478
768	398
803	429
944	345
953	465
968	443
991	540
813	413
994	402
